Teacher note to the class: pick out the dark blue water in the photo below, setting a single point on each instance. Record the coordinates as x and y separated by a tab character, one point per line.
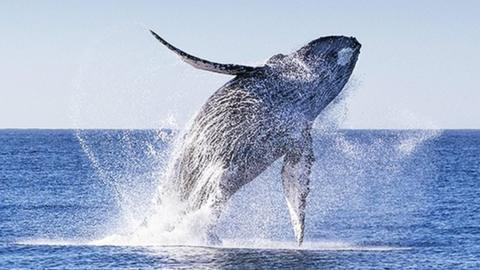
380	199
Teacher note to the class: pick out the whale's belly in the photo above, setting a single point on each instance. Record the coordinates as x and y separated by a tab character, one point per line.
234	138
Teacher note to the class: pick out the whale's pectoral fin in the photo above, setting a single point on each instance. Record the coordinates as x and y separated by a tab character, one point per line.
295	178
199	63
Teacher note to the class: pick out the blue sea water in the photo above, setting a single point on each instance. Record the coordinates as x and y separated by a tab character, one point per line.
380	199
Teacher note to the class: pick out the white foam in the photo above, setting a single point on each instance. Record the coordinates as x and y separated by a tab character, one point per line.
308	245
260	244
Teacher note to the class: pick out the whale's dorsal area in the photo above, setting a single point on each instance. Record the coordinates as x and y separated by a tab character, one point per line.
230	69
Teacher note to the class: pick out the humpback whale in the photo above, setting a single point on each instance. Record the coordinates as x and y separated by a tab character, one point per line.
261	115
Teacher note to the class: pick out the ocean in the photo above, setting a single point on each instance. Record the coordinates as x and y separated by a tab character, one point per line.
380	199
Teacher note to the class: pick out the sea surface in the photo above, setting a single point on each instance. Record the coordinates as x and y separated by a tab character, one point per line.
380	199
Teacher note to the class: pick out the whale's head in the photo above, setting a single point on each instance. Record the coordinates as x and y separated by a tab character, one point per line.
322	67
332	58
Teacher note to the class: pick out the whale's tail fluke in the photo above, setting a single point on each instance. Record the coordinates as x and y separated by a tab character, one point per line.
230	69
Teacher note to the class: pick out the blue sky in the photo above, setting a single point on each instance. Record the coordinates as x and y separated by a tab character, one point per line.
92	64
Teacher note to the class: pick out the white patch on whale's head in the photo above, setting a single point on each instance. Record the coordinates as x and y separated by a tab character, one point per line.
344	56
